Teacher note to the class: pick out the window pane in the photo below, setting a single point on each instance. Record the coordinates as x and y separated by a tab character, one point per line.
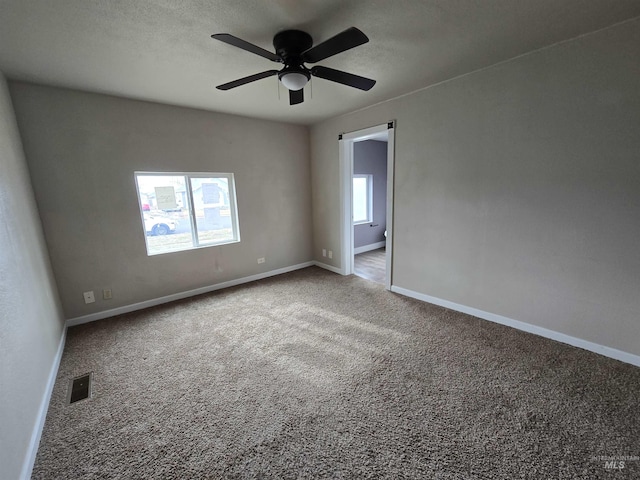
165	213
172	204
212	206
360	200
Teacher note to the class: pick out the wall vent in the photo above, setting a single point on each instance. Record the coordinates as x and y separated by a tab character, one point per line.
80	388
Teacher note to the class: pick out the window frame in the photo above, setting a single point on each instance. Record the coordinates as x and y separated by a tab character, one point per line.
197	244
369	184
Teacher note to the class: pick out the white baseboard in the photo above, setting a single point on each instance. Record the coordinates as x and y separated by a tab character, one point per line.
526	327
368	248
36	434
328	267
181	295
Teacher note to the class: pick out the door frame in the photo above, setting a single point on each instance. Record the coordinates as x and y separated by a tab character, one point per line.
346	141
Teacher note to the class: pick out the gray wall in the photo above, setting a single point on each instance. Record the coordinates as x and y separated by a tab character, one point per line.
517	188
370	157
82	151
31	322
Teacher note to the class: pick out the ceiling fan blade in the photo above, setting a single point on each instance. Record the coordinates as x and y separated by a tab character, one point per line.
296	96
245	80
243	44
345	78
351	37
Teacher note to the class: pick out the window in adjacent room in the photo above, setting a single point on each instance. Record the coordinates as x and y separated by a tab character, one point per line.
362	199
182	211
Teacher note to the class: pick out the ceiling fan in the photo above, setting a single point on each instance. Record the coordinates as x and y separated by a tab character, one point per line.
294	48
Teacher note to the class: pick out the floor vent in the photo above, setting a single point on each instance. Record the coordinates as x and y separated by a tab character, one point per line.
80	388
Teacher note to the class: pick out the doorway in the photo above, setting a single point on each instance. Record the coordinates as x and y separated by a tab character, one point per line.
370	235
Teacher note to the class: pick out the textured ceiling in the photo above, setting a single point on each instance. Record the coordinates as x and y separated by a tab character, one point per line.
161	50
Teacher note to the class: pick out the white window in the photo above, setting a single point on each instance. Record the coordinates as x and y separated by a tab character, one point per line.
182	211
362	199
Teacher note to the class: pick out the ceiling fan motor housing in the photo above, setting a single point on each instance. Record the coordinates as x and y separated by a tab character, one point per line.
291	44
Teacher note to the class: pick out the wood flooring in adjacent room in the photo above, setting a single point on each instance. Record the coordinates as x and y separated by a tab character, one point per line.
371	265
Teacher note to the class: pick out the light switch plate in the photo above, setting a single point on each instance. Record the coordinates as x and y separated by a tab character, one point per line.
88	297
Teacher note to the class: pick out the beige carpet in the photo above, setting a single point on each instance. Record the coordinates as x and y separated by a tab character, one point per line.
314	375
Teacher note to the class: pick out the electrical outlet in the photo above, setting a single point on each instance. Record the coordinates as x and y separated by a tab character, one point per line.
88	297
261	260
106	294
330	254
324	252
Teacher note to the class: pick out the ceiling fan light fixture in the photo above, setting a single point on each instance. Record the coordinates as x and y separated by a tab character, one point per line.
294	81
